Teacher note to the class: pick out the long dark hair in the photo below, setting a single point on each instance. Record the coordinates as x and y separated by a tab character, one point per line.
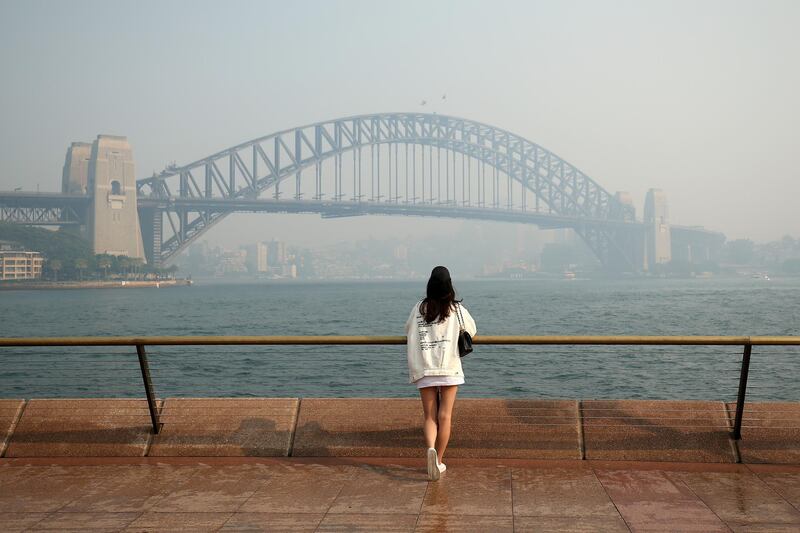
440	297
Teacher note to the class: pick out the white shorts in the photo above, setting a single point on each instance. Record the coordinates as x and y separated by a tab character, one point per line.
439	381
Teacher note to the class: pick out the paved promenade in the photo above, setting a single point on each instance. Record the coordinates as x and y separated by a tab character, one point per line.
374	494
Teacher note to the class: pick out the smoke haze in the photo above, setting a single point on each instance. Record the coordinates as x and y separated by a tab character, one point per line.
696	98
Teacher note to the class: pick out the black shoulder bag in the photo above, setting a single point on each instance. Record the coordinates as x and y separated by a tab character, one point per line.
464	338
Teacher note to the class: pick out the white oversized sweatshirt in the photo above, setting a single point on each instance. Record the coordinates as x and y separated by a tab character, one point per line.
433	347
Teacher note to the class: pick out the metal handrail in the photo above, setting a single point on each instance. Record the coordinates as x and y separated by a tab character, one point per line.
747	342
299	340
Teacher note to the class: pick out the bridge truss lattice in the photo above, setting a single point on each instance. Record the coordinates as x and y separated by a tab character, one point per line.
401	163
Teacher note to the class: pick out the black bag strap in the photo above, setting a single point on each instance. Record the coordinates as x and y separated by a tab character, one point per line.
460	318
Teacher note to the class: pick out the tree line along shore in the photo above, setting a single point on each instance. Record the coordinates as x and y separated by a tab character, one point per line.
68	257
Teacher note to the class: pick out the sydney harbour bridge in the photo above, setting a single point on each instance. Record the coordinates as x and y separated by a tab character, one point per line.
411	164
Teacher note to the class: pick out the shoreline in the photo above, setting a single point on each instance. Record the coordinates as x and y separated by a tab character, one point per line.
116	284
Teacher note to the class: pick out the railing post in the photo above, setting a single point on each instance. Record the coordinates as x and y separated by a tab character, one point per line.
737	424
148	387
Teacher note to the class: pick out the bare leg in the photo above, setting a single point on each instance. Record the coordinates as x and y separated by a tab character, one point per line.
429	397
446	402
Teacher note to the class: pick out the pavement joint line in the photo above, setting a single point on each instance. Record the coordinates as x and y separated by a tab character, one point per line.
328	510
737	456
690	489
513	514
292	435
774	490
422	504
150	435
10	433
605	491
581	438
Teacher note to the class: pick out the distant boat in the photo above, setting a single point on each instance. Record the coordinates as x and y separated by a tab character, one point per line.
568	274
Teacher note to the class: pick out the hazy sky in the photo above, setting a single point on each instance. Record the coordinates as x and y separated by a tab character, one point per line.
699	98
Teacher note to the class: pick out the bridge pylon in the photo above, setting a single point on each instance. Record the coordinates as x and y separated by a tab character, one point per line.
113	222
658	239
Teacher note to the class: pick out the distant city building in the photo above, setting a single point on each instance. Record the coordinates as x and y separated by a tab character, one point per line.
20	264
401	252
276	252
257	255
233	262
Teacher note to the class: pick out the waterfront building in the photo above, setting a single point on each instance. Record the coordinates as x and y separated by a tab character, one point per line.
232	262
20	264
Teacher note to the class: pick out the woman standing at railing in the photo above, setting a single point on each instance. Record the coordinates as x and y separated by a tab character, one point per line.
434	365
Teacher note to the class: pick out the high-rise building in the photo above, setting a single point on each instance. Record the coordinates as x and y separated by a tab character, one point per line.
276	252
257	255
658	241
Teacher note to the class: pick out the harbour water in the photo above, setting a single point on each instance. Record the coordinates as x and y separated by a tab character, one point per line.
734	306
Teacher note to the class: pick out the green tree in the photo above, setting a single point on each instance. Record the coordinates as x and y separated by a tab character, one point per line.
104	262
81	264
124	264
136	264
55	265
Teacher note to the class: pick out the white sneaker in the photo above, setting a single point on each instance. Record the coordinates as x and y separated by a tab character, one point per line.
442	468
433	465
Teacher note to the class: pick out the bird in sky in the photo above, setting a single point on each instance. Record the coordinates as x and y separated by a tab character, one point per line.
423	102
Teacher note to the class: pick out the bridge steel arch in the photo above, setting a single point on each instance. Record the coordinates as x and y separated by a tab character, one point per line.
194	197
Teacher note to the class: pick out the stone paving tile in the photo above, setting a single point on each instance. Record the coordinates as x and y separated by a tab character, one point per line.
225	427
545	429
278	522
540	429
13	522
560	492
154	521
82	428
300	489
213	490
570	524
129	488
11	474
85	522
393	489
770	432
9	410
740	498
470	491
436	523
368	522
642	430
359	427
48	488
649	500
786	484
764	528
282	495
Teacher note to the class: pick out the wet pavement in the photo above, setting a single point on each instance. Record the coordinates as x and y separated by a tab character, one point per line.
374	494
